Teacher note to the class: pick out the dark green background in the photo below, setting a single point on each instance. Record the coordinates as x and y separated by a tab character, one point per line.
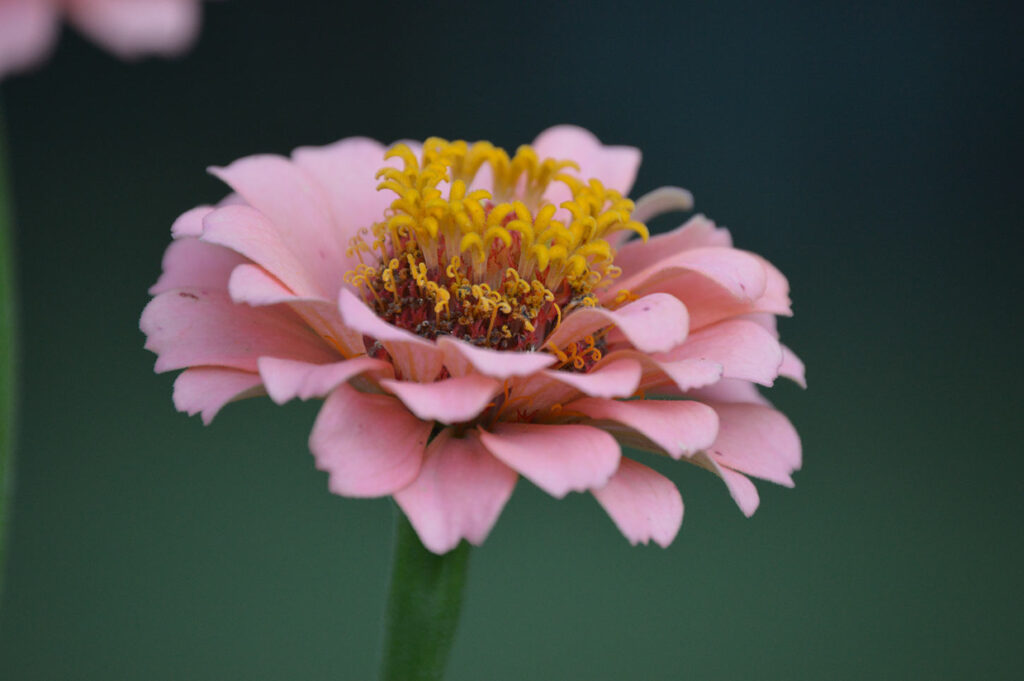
872	152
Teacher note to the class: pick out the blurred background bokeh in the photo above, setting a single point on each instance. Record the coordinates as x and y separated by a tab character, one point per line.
871	150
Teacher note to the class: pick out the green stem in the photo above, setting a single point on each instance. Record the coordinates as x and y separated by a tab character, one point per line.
8	332
423	607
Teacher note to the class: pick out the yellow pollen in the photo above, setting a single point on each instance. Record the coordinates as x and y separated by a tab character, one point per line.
498	266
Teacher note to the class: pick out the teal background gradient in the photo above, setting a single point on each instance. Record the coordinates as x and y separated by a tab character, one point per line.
871	150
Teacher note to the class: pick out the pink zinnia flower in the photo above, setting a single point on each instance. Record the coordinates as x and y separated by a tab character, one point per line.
128	28
471	317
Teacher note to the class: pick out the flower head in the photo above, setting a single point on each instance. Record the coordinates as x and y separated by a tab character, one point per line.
128	28
471	316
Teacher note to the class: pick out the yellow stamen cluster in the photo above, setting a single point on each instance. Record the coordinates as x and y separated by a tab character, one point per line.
498	267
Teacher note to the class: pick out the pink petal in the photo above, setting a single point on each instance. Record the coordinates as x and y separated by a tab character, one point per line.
131	29
190	223
28	31
744	349
247	231
738	274
369	444
324	317
458	494
484	179
644	504
619	378
792	367
729	390
775	298
697	232
769	322
299	214
287	379
654	323
558	459
462	358
189	262
252	285
347	170
453	400
414	357
684	374
774	301
713	283
741	489
544	389
194	327
614	166
757	440
678	427
660	201
206	390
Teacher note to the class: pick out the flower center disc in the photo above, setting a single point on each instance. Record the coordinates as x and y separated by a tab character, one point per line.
497	267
